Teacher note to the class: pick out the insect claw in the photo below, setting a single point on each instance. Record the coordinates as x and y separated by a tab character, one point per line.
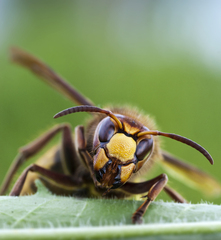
108	190
145	196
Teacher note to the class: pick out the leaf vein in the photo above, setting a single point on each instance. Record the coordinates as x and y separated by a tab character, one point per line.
29	212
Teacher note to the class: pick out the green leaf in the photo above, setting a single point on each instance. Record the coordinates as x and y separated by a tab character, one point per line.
46	216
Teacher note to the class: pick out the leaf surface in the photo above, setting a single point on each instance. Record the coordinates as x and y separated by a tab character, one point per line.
46	216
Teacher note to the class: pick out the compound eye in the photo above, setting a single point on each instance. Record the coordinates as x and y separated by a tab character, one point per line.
143	148
107	130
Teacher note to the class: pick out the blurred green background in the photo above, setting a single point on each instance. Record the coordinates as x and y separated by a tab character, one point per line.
162	56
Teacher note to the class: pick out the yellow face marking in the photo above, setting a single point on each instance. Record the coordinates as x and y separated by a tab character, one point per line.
100	159
126	172
129	129
121	147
